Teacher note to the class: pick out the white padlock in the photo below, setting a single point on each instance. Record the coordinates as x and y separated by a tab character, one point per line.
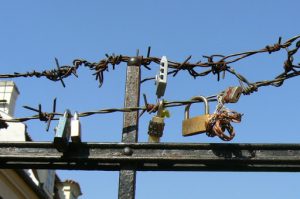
161	78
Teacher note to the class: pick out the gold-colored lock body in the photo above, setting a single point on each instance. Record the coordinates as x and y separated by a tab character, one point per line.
195	125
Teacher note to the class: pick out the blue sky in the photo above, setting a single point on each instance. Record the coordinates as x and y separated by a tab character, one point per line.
33	33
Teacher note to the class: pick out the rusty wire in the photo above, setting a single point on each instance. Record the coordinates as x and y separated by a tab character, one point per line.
216	65
151	108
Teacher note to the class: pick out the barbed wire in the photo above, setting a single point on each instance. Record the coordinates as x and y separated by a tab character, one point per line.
48	117
215	66
150	108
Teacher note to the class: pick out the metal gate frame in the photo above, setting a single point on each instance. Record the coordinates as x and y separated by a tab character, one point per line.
129	156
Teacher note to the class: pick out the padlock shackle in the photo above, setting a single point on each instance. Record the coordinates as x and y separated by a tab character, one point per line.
160	108
200	98
75	116
67	113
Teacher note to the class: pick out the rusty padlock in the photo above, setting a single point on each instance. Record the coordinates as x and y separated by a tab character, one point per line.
156	125
195	125
232	94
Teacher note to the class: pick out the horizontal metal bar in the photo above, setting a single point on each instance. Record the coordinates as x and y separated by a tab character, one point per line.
152	156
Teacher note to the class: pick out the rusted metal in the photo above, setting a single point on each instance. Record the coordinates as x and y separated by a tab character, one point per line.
151	157
157	124
127	177
215	64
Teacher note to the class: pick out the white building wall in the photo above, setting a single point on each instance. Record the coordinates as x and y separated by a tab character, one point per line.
10	93
13	187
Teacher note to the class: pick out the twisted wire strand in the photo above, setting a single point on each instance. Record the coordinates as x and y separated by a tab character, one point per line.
215	66
106	111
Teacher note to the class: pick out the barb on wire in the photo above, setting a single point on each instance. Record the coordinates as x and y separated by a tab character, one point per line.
42	116
148	107
58	73
182	65
290	72
145	64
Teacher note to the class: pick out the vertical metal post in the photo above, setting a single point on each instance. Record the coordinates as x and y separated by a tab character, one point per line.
127	177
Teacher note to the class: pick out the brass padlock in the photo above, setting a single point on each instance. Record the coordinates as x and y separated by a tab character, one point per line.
195	125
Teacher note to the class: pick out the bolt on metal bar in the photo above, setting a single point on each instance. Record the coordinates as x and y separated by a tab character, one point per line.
127	176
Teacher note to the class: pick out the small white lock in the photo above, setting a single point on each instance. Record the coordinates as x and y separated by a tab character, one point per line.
161	78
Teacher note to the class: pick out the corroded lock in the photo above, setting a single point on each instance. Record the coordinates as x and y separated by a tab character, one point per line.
232	94
156	125
195	125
